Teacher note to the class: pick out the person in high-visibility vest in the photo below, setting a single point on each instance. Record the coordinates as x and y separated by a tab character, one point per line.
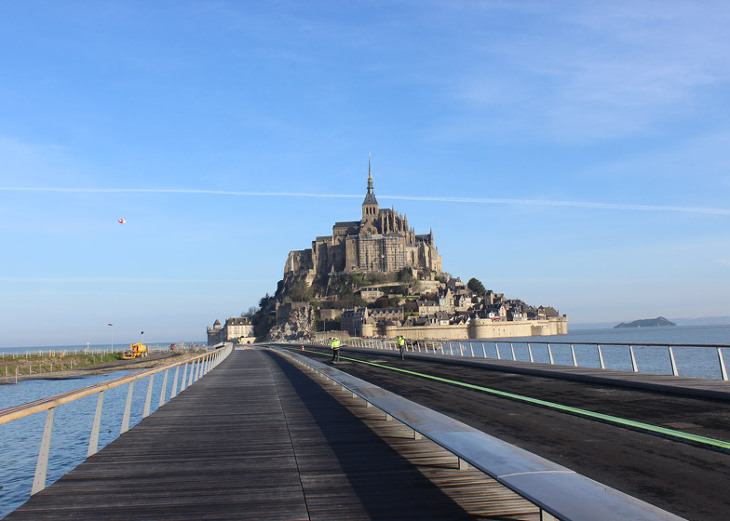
401	346
335	345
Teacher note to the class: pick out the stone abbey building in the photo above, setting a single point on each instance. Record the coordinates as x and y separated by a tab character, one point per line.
380	241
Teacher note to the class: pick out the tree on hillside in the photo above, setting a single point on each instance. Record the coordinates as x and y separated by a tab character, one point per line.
300	292
264	317
405	275
410	307
476	286
251	312
382	302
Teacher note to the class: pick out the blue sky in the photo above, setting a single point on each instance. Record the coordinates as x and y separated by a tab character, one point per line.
572	154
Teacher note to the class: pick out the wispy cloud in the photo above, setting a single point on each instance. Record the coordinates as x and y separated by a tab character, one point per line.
598	70
437	199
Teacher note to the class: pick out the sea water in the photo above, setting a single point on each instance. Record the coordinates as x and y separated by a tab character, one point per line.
695	349
20	439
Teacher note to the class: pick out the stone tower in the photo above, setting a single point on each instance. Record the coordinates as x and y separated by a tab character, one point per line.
381	241
370	207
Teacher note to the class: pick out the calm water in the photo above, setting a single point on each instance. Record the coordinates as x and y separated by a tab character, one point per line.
699	362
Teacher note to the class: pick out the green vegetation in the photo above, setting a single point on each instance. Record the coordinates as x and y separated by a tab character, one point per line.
405	275
476	286
262	317
300	292
54	362
410	307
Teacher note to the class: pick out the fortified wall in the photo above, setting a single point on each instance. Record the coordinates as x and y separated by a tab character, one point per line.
480	328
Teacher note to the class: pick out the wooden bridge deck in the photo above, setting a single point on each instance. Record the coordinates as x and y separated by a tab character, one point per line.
259	439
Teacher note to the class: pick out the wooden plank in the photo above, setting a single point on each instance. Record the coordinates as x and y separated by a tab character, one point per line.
259	439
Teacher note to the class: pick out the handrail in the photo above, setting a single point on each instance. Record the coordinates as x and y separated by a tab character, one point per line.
199	366
556	490
20	411
468	350
581	343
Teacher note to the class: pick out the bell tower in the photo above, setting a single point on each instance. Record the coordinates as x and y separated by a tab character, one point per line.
370	207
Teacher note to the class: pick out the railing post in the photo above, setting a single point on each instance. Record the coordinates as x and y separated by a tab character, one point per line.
184	377
173	392
496	346
546	516
41	468
164	390
94	438
572	352
550	354
633	359
723	371
127	409
512	348
600	356
674	363
148	399
471	347
529	350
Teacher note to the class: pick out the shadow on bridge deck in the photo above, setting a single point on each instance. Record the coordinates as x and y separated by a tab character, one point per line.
258	439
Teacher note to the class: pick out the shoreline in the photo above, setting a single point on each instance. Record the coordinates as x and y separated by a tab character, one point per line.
106	367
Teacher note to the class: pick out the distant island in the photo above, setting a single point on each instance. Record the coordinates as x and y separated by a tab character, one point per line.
647	322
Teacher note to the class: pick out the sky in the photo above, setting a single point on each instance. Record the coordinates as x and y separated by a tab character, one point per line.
567	153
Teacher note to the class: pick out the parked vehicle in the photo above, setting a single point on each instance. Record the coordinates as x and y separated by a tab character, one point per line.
134	351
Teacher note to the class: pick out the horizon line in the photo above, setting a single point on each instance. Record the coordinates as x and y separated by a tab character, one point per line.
127	279
444	199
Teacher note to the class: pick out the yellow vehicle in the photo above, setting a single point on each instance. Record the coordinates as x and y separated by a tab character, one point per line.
134	351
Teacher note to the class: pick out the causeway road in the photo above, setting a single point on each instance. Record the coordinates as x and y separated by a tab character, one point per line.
687	480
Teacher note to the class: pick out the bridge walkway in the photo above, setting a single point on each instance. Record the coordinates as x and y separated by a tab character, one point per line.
259	439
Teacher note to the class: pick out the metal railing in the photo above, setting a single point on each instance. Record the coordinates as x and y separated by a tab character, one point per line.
193	369
422	346
604	355
559	493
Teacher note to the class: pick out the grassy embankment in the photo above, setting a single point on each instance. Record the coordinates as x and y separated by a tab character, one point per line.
23	365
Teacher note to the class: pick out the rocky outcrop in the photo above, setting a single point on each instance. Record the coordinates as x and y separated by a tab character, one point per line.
293	320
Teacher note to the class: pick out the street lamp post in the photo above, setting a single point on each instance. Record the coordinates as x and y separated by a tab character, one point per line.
112	326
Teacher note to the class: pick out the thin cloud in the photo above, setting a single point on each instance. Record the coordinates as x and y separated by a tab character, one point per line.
472	200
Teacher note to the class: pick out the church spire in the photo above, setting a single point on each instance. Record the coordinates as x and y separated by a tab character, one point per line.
370	205
370	176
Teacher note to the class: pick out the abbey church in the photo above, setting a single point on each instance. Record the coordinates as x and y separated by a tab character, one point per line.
380	241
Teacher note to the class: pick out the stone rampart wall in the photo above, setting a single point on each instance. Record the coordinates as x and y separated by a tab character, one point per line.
480	328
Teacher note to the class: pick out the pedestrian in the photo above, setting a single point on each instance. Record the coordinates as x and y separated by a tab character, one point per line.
335	345
401	346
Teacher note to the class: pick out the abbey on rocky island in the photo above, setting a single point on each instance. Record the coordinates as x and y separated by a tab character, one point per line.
380	241
376	276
